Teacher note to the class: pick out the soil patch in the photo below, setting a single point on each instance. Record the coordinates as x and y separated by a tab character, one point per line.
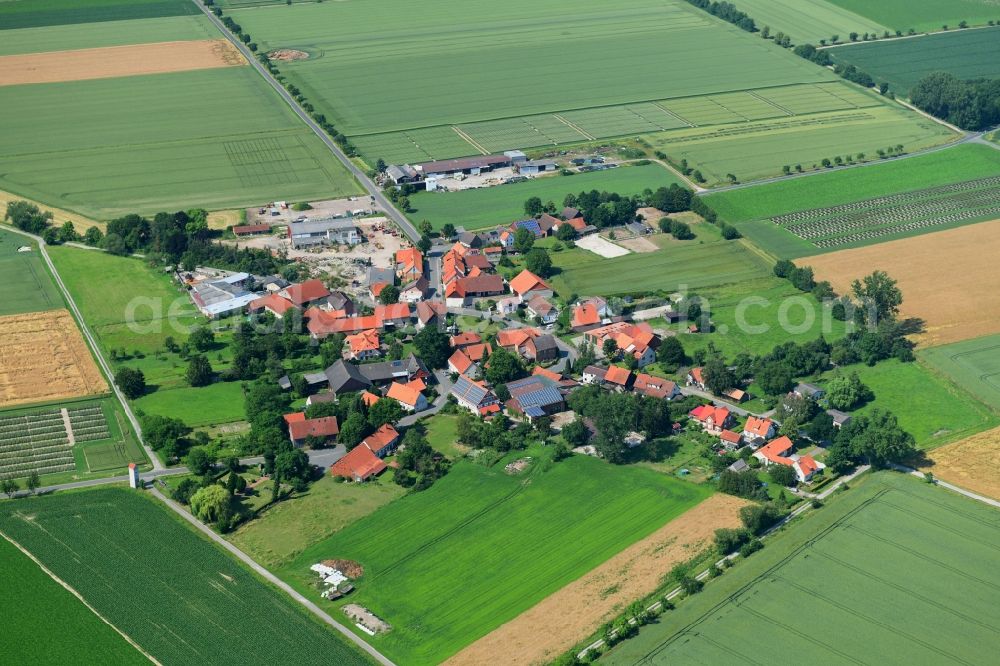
601	247
286	55
556	623
946	277
43	357
970	463
115	61
349	568
639	244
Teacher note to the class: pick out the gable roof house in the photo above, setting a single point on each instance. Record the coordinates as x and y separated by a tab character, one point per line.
637	340
394	314
474	396
515	340
618	378
526	285
460	364
810	391
464	290
360	464
534	397
383	441
548	224
325	428
465	338
414	291
840	419
430	313
696	378
541	307
593	374
655	387
585	318
806	467
273	303
775	452
409	264
408	396
712	419
306	293
541	348
730	440
364	345
758	429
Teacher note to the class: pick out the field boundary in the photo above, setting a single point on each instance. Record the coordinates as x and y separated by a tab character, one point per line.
79	596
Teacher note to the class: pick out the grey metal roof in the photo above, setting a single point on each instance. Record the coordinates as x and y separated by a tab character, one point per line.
545	342
320	226
346	377
388	370
378	274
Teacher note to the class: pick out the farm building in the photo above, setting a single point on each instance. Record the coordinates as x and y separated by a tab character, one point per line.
464	290
618	378
251	229
535	167
470	166
331	231
223	296
474	396
402	173
360	464
541	348
325	429
535	396
383	441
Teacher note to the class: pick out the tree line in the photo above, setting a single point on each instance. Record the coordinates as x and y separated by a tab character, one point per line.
971	104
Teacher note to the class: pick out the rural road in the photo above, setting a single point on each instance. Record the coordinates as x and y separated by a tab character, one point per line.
153	459
950	486
362	177
271	578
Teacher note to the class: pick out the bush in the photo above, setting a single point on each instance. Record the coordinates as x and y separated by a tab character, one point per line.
730	540
751	547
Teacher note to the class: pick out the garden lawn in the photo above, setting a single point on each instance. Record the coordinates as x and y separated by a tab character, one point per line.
448	565
221	402
954	165
754	150
968	54
39	13
927	406
973	364
902	567
442	434
492	206
923	14
42	605
819	19
217	138
158	581
692	265
27	285
286	529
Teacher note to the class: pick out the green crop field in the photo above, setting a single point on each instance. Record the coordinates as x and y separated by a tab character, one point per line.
968	54
808	22
180	597
923	14
897	571
212	138
41	604
493	206
753	150
448	565
44	13
110	33
377	53
928	406
972	364
25	279
691	265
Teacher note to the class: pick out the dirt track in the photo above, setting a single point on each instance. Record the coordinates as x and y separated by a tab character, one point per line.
970	463
43	357
115	61
948	278
556	623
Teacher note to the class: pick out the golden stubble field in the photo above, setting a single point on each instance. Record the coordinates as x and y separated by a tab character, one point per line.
114	61
559	621
949	278
971	463
43	357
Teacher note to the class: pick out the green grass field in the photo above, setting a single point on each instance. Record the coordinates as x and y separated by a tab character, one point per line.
372	47
968	54
448	565
923	14
493	206
41	604
214	138
965	162
754	150
26	282
44	13
973	364
693	265
110	33
896	571
284	531
221	402
176	594
819	19
928	406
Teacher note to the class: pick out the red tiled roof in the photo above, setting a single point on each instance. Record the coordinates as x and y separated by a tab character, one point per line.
384	313
545	372
276	304
719	415
460	362
697	376
310	290
427	310
807	465
377	288
409	261
381	438
515	337
758	426
478	352
775	450
359	463
729	436
466	338
369	398
586	315
364	341
404	393
294	417
617	375
578	223
321	427
526	281
251	229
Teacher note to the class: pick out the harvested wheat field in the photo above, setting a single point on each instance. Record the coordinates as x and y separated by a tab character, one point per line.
971	463
949	278
59	216
555	624
43	357
114	61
